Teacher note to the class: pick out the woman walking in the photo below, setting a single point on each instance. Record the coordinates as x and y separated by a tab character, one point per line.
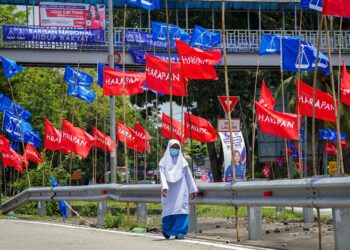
177	187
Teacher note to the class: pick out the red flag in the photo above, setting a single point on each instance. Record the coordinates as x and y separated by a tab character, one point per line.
336	8
4	144
266	97
52	137
76	139
324	108
32	154
103	140
277	123
132	141
11	158
143	136
196	63
176	133
157	76
113	82
202	130
345	86
330	148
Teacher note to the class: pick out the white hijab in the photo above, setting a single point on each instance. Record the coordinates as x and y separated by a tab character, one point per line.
171	165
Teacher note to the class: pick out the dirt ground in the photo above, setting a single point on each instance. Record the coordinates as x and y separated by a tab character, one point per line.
276	235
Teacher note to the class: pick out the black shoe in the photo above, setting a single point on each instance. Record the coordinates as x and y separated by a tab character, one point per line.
180	237
166	236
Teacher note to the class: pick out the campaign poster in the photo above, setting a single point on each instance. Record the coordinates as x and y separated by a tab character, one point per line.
74	15
240	156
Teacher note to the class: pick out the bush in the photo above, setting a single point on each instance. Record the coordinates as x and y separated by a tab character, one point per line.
113	221
89	209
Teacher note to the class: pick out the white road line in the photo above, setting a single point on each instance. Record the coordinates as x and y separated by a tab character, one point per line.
146	235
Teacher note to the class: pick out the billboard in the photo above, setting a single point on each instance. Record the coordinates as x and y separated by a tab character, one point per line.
74	15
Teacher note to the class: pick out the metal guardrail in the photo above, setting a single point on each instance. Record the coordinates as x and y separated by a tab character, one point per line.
247	41
311	192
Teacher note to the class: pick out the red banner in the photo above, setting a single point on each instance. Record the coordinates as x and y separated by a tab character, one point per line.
12	159
132	141
199	128
4	144
336	8
324	108
52	137
277	123
157	76
104	142
176	133
76	139
330	148
345	86
32	154
266	97
113	82
143	136
196	63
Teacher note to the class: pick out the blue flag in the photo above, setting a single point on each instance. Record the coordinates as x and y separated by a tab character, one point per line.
16	128
16	110
31	137
205	38
74	76
307	56
10	67
14	147
62	204
5	103
159	33
100	73
312	4
302	135
323	134
81	92
331	135
270	44
144	4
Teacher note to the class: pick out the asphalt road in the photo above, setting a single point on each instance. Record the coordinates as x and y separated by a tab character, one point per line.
16	234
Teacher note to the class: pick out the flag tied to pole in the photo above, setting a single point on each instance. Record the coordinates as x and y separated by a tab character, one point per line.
10	67
11	158
312	4
143	136
331	135
303	59
270	44
100	67
159	33
144	4
62	204
52	136
200	129
176	131
76	139
6	104
15	127
204	38
345	86
266	98
132	141
113	82
330	148
324	108
4	144
77	77
336	8
81	92
104	142
277	123
157	76
198	64
32	154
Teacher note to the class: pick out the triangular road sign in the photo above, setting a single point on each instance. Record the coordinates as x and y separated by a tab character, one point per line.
232	102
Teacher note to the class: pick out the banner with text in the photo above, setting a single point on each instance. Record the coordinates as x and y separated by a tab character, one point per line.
78	15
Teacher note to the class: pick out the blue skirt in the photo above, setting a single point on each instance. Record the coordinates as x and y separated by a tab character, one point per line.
175	225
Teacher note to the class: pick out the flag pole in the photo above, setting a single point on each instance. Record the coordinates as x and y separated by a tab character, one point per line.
340	165
227	90
254	122
169	67
319	33
145	142
339	81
